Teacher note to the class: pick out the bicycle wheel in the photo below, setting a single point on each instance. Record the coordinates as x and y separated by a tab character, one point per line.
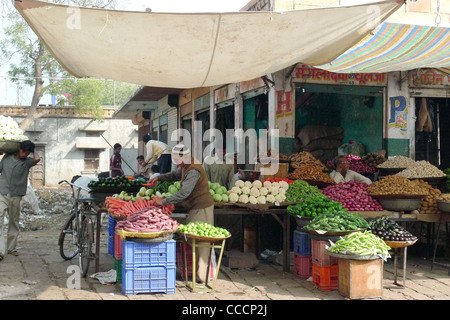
67	241
86	240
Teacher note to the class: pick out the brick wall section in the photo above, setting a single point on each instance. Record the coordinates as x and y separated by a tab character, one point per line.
48	112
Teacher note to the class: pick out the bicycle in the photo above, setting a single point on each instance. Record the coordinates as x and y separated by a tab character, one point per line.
77	234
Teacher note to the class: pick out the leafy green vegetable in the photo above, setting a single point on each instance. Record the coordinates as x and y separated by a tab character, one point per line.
301	190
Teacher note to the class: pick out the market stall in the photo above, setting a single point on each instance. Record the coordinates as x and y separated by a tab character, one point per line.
326	214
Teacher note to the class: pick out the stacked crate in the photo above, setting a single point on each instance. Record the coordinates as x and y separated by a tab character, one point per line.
302	255
118	256
324	267
111	232
148	267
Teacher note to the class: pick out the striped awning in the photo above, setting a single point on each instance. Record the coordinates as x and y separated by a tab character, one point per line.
396	47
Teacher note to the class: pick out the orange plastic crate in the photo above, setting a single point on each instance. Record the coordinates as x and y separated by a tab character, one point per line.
325	278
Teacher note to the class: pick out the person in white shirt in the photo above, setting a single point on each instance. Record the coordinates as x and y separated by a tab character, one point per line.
342	173
158	153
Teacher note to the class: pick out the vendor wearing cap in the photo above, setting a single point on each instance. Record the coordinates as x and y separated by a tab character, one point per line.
193	195
342	173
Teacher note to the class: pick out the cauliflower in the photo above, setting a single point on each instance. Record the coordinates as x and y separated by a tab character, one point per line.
233	197
236	190
261	200
243	198
254	192
239	183
248	184
283	185
275	184
257	184
274	190
267	184
263	191
280	198
252	200
245	190
270	198
282	191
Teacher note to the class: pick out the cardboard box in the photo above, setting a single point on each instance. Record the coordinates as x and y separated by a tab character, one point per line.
360	279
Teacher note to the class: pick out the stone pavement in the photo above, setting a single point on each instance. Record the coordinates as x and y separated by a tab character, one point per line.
39	273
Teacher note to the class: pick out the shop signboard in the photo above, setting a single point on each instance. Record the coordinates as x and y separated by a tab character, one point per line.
307	74
428	78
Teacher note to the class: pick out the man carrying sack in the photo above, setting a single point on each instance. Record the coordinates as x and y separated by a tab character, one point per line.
193	195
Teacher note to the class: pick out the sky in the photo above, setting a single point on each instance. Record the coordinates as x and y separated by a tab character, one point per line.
9	93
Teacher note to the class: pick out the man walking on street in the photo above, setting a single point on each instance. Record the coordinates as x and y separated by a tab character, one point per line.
14	168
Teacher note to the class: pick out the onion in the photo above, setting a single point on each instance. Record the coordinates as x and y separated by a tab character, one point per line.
353	195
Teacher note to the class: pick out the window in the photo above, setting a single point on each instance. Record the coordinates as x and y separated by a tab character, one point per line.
91	159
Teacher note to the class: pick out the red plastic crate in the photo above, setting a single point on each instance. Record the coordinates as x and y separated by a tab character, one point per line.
117	246
302	266
180	262
319	253
325	278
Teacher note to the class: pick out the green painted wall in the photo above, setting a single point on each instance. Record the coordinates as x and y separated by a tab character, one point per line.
347	107
396	147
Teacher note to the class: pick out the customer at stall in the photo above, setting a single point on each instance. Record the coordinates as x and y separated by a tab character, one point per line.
157	153
342	173
144	169
154	171
193	195
115	162
14	169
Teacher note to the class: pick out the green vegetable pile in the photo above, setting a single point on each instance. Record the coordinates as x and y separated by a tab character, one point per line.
340	221
203	229
361	243
219	193
301	190
121	182
162	187
315	206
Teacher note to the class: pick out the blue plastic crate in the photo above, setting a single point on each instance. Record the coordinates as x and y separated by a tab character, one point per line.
142	254
111	231
302	243
148	280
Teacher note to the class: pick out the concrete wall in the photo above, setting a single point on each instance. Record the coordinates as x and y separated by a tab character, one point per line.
63	159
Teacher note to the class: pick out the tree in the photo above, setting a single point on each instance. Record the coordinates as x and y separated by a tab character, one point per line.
36	64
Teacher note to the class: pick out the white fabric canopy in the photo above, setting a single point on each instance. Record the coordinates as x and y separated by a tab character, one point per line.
188	50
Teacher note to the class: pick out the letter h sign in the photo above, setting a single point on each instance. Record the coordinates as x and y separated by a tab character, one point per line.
283	103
